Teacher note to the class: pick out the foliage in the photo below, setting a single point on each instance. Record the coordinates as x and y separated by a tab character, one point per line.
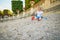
7	12
17	5
36	1
1	13
15	0
27	3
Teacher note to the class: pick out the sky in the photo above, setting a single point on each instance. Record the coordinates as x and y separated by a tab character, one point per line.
6	4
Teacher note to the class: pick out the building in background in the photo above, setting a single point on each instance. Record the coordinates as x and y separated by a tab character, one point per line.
47	3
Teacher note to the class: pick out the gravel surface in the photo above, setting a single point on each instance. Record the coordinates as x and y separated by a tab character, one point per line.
26	29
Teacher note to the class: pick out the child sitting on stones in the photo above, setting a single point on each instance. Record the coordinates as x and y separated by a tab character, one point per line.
39	13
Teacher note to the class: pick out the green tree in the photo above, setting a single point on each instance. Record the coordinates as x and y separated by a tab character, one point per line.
7	12
17	5
1	13
36	1
27	3
15	0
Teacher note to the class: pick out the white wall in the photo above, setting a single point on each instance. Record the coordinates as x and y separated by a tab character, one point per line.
23	3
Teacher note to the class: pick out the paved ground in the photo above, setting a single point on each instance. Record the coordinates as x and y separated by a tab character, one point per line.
26	29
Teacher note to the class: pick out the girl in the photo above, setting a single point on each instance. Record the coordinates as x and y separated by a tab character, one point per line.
39	14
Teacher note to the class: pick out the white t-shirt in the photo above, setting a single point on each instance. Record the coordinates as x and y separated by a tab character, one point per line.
39	13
